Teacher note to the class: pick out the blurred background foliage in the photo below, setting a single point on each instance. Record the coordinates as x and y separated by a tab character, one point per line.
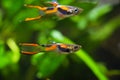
97	29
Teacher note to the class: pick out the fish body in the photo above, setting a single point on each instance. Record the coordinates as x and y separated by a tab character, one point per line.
67	11
31	48
61	11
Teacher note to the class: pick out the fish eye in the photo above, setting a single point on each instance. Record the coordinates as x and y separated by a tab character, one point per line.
76	11
76	47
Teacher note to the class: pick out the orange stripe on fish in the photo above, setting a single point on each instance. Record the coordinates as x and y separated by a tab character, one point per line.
28	44
24	52
64	8
51	48
63	46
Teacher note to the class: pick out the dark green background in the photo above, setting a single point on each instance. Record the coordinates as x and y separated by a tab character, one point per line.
97	29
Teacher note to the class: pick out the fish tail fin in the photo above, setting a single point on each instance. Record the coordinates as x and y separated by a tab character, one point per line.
25	52
29	48
35	18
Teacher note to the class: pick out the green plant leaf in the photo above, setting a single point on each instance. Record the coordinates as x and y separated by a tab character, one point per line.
82	56
15	49
47	63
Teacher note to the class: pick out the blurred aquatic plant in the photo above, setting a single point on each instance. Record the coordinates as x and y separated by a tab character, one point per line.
88	29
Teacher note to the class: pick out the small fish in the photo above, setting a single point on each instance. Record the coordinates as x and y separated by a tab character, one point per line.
62	11
31	48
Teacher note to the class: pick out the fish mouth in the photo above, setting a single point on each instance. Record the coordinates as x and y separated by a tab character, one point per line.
81	10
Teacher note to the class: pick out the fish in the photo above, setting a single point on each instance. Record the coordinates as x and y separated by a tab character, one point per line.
62	11
33	48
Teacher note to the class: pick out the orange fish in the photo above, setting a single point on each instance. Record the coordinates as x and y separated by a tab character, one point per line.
62	11
31	48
